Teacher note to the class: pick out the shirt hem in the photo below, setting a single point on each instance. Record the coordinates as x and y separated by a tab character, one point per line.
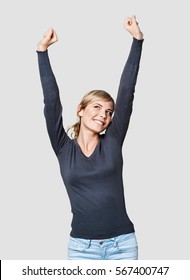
98	237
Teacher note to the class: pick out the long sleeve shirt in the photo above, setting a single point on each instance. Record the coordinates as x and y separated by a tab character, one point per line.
94	184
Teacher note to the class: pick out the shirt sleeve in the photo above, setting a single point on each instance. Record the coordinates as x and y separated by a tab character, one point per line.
52	103
124	102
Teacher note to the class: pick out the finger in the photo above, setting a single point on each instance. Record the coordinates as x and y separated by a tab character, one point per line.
54	34
128	21
54	37
134	18
49	33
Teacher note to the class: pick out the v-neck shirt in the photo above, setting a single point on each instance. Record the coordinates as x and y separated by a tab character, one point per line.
92	150
94	183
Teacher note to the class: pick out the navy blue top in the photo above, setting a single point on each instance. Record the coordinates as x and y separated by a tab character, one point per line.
94	184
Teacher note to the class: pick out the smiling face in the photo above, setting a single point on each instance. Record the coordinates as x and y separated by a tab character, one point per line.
96	116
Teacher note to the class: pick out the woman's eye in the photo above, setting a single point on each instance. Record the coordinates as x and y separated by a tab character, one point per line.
109	113
96	106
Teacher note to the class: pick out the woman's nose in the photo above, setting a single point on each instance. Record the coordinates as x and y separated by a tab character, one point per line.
102	114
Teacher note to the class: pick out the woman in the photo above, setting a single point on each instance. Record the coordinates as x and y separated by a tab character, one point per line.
91	163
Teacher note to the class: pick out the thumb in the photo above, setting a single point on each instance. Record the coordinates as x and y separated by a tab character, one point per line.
134	17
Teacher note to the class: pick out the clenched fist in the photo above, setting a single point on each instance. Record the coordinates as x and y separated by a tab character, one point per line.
132	26
50	37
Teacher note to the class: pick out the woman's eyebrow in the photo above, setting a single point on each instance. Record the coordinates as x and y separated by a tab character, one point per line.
102	106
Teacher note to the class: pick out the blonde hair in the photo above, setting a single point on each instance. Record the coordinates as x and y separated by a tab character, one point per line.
88	98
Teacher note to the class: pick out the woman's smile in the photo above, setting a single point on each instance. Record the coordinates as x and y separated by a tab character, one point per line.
99	122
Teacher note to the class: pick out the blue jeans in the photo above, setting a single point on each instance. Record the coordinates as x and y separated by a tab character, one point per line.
122	247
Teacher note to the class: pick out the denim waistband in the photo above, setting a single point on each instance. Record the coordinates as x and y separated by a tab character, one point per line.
103	242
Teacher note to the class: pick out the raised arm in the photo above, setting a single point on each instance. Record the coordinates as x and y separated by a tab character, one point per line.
124	101
53	107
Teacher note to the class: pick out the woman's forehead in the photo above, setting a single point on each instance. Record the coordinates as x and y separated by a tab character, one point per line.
103	103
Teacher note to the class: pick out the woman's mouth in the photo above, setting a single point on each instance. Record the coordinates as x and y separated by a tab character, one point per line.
98	122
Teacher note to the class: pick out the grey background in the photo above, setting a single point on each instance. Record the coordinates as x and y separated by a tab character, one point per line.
91	52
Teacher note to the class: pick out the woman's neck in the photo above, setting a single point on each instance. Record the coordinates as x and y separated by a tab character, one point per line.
88	141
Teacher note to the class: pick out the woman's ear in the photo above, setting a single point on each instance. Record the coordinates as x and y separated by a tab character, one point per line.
79	111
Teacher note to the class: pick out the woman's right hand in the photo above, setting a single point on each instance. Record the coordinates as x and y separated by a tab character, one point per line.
132	27
50	37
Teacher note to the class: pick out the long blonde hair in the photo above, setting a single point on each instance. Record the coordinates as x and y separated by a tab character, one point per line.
89	97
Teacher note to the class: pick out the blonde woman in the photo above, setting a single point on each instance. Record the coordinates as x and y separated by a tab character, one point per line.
91	162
